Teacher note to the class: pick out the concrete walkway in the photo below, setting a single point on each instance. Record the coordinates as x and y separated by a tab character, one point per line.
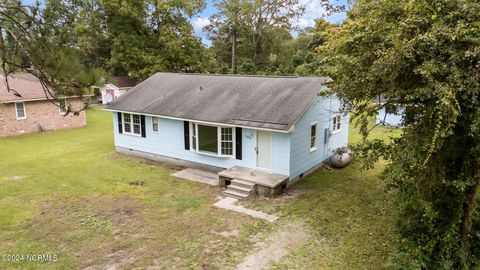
229	204
200	176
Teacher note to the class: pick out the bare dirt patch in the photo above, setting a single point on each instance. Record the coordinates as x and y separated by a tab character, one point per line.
228	233
127	232
95	229
288	237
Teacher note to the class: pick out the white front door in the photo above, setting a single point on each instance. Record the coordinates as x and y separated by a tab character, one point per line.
264	150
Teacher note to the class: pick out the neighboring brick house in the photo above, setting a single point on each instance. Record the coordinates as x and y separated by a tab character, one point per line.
32	112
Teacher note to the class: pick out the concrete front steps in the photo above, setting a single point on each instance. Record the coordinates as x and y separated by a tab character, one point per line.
239	189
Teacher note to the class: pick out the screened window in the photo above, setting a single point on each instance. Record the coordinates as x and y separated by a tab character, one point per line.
155	124
62	106
207	139
337	122
227	141
20	110
132	124
313	136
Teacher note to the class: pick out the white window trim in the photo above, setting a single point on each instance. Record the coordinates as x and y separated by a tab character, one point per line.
219	141
60	109
232	141
24	111
158	124
315	147
131	125
334	130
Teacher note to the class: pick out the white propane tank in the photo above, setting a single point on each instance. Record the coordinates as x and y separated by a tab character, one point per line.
341	158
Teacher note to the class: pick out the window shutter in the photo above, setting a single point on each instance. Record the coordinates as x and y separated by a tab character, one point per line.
142	124
238	143
119	118
186	134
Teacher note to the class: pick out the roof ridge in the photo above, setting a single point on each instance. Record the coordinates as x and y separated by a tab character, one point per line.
239	75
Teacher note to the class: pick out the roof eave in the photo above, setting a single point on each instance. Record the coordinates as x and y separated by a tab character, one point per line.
41	99
204	122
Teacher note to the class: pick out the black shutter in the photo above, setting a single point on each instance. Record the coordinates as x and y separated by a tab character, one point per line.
238	143
186	134
142	123
119	118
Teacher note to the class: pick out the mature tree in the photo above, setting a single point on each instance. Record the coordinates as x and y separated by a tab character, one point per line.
228	23
254	36
425	56
36	39
251	31
149	36
263	15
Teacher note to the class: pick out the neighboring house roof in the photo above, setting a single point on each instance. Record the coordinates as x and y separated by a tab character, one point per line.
27	85
253	101
122	81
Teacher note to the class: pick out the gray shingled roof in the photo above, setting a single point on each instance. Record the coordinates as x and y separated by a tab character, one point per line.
253	101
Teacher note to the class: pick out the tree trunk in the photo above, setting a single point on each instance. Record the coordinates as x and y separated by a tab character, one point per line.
468	210
234	51
256	47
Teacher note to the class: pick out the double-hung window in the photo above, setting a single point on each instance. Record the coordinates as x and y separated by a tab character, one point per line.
313	136
20	110
227	141
337	123
137	128
132	124
155	124
62	106
212	140
194	137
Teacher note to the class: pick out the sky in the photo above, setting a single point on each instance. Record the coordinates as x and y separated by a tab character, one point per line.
313	10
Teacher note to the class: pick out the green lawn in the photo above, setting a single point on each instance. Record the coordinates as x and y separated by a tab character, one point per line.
68	193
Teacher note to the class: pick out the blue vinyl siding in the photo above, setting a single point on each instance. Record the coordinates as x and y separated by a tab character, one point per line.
321	111
390	118
290	151
281	153
169	141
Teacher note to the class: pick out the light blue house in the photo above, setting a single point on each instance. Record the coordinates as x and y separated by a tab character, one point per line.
276	125
389	113
389	116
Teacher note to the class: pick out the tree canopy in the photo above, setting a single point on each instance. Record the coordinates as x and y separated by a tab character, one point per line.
37	39
423	56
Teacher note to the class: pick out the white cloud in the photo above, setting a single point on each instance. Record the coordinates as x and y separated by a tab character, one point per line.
198	25
313	11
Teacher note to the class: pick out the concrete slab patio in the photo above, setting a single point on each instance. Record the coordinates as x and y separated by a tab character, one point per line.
200	176
261	178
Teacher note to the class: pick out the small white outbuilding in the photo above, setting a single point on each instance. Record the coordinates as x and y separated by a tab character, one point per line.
115	87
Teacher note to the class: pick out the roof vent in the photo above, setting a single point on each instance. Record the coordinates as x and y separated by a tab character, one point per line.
201	88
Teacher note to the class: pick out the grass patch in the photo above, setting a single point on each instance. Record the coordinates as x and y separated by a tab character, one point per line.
68	193
347	214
